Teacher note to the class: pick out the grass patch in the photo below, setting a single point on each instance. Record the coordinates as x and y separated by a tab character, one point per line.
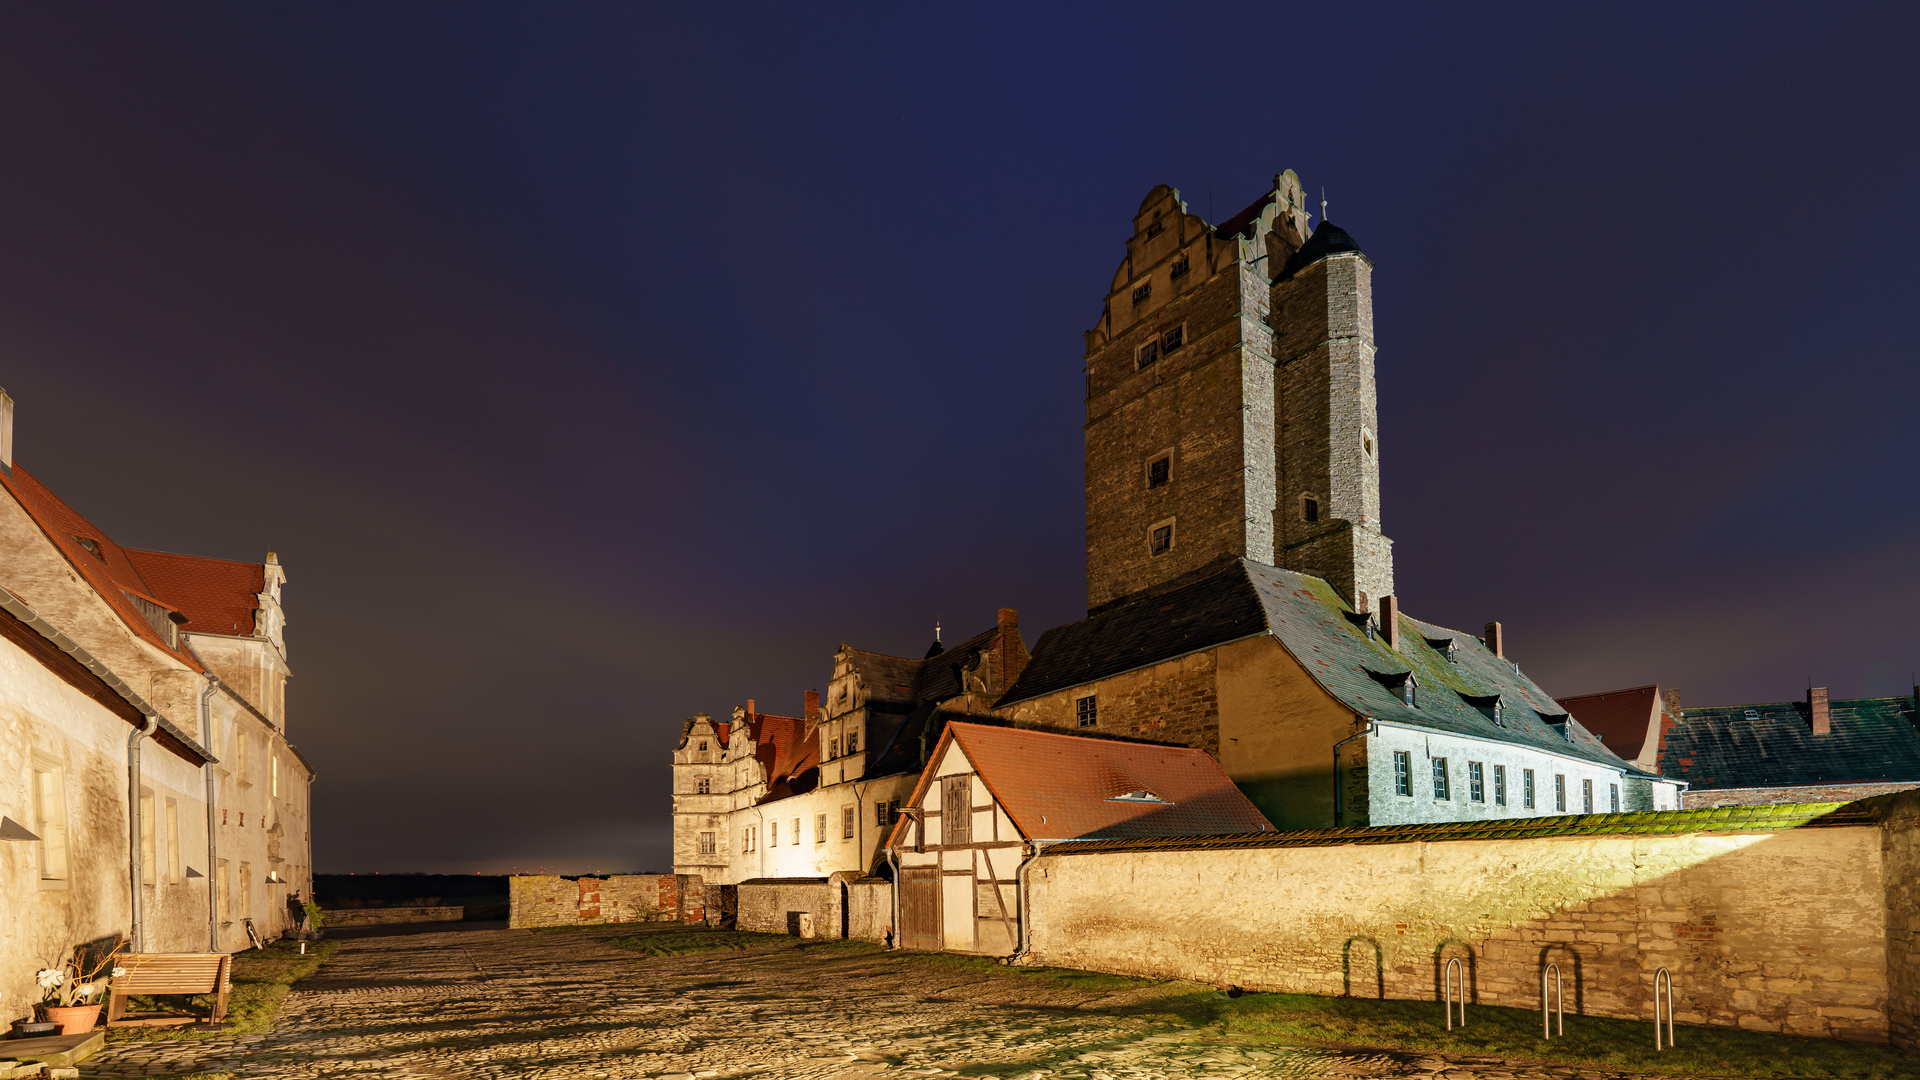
1514	1034
261	979
697	941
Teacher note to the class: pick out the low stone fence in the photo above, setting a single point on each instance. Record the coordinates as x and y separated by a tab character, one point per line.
1796	919
548	900
333	918
844	905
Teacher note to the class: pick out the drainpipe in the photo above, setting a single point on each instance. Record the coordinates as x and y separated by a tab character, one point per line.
213	840
1339	806
1026	904
895	863
135	849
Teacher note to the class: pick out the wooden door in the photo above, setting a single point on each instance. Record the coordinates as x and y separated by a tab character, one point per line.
920	908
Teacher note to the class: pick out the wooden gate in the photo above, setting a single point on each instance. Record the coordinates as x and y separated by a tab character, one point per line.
920	908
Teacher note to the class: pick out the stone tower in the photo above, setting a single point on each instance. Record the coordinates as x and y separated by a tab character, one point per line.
1230	402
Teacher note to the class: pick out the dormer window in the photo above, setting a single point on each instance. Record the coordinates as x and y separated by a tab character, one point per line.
1362	621
1490	706
1410	692
1179	268
1445	647
1141	293
90	546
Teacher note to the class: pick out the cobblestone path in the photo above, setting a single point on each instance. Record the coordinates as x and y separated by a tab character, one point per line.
486	1004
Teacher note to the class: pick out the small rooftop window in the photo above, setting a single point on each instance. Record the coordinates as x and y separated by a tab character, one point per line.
1362	621
91	546
1445	647
1140	797
1752	714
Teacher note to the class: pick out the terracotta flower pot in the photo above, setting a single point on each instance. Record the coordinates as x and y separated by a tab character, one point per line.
74	1019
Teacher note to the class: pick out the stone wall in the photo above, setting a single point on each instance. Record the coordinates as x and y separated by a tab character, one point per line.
1702	800
1900	854
1772	930
869	903
333	919
803	907
547	900
1175	701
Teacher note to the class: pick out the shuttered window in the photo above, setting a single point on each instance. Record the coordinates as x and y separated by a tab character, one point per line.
956	810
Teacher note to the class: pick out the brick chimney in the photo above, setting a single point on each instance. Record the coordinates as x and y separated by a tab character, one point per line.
813	707
1495	641
751	711
1817	710
1671	699
1390	620
1013	651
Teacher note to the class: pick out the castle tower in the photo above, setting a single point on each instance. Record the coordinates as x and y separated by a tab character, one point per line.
1202	433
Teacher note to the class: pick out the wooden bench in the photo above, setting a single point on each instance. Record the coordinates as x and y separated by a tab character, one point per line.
172	973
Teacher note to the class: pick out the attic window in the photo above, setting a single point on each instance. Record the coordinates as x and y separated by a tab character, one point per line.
1180	268
1309	509
1142	796
1141	293
1410	692
1366	441
1490	705
1445	646
1752	714
703	744
1402	683
1155	229
1362	621
92	547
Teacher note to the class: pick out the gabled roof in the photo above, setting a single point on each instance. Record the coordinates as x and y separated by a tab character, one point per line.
1872	740
95	556
1057	786
218	596
1625	720
1244	598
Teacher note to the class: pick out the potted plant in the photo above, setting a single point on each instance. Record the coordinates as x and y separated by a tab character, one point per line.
72	993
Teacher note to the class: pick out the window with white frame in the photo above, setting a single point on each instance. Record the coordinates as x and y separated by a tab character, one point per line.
1476	782
1440	789
1526	789
795	832
1499	785
773	833
1613	797
706	843
1560	792
820	828
1402	772
846	822
1586	796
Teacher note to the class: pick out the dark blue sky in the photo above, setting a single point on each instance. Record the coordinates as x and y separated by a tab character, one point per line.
593	366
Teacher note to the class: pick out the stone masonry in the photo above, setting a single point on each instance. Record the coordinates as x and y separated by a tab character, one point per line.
547	900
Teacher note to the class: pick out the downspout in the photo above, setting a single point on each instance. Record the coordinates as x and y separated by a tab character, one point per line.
213	836
136	848
1339	804
893	931
1026	905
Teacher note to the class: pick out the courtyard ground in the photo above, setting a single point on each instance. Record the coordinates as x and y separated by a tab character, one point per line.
637	1001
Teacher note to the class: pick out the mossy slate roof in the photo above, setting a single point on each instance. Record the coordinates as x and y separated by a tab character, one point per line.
1245	598
1757	746
1731	819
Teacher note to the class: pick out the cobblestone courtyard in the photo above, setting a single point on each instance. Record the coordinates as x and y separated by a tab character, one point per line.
502	1003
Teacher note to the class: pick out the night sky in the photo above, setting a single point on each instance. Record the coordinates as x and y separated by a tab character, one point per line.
590	367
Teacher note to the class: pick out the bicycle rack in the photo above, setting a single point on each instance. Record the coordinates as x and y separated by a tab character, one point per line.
1660	977
1454	965
1559	1000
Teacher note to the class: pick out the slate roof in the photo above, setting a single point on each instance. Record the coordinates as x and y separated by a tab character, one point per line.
1731	819
1244	598
1872	740
1059	786
914	688
1328	239
218	596
1623	719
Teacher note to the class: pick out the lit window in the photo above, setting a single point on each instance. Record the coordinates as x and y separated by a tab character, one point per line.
1586	796
1560	792
1476	782
1440	779
773	834
1086	710
1613	797
1526	788
1161	540
1499	785
1158	471
820	828
1179	268
706	843
1402	773
846	823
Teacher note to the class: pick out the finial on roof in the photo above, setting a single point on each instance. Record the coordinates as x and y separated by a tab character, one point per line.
936	629
1323	206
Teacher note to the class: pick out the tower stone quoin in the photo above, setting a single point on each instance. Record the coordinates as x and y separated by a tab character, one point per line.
1230	402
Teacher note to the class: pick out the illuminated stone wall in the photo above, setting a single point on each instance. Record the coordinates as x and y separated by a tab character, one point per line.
1777	930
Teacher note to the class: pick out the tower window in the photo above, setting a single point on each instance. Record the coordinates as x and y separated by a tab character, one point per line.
1086	710
1309	509
703	786
1141	293
1149	353
1366	441
706	843
1160	539
1180	268
1173	338
1158	470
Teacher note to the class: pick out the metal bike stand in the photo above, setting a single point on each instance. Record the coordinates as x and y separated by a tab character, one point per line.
1660	978
1559	1000
1454	965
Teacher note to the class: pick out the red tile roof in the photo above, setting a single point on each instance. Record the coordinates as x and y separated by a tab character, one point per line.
92	553
1623	719
1059	787
218	596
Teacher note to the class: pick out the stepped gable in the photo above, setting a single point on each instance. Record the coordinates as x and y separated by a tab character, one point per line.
1622	719
1872	740
786	750
94	555
218	596
1244	598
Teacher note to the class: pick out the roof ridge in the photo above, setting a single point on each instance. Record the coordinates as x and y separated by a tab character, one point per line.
188	555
